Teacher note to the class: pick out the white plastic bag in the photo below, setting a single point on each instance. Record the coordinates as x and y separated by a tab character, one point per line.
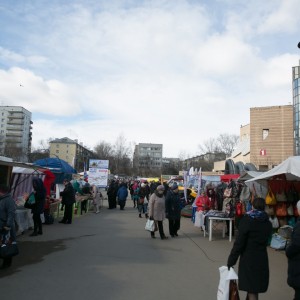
150	226
199	219
225	277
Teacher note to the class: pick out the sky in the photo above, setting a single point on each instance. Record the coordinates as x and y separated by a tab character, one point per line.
176	72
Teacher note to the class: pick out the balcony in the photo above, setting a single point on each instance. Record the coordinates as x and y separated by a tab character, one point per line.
14	134
14	122
14	127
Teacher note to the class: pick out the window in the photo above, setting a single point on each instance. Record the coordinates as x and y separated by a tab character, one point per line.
57	151
265	133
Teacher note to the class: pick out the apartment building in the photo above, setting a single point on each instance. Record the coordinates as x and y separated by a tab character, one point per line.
72	152
147	156
15	132
296	96
271	135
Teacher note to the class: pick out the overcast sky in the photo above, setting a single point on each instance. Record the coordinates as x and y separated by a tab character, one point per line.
170	72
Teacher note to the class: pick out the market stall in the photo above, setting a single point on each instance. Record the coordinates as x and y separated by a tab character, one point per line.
282	186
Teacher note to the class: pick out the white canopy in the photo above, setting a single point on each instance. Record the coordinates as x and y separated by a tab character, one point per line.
290	167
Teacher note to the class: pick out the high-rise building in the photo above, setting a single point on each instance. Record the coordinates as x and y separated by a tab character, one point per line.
147	157
296	102
15	132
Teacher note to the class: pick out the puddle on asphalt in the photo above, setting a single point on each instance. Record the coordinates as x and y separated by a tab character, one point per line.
32	252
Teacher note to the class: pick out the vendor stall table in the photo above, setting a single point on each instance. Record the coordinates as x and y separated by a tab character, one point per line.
24	220
219	219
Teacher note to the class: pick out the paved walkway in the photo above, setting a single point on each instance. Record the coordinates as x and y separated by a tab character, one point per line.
110	256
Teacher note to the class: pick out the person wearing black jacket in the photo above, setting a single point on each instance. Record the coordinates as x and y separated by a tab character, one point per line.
39	192
68	199
251	244
293	254
7	224
173	210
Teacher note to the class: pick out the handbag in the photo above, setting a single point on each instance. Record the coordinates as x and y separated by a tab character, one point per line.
281	210
269	210
227	192
245	193
296	214
290	209
238	209
270	198
274	222
281	197
30	202
150	225
285	231
292	195
9	250
233	290
278	242
141	201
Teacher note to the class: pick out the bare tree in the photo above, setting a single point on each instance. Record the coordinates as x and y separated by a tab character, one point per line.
122	153
104	150
209	146
227	143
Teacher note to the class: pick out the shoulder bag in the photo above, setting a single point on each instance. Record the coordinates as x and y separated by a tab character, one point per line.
270	198
281	210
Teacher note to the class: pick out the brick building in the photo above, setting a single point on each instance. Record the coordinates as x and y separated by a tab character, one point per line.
271	135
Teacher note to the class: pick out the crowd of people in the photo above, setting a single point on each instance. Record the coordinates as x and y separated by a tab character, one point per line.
159	202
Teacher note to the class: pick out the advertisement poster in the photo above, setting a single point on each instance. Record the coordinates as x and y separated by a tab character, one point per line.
98	163
98	177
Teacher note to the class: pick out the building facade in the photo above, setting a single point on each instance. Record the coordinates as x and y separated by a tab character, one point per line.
147	158
271	135
73	153
296	115
15	132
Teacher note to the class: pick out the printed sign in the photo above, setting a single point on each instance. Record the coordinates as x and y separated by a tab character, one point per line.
98	177
98	163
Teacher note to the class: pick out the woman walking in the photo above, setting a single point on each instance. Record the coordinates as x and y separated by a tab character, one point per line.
157	210
37	208
251	246
173	210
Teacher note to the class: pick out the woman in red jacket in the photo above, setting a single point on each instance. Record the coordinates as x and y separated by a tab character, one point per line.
202	202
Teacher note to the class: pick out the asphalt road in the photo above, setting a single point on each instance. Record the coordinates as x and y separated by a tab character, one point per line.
110	256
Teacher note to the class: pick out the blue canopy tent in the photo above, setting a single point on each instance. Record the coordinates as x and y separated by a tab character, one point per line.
59	167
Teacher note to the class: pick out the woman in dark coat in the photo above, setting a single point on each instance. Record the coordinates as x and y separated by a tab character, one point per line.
37	208
173	210
251	246
293	254
68	199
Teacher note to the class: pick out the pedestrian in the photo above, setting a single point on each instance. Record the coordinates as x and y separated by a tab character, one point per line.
112	194
7	223
141	200
39	193
122	195
157	210
173	210
251	244
293	254
68	199
96	198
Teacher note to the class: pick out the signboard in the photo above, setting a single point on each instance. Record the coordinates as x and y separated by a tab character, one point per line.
98	163
98	177
263	152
